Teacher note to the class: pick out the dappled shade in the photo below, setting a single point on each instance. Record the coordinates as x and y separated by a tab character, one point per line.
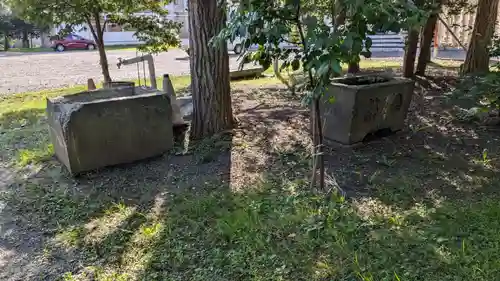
419	205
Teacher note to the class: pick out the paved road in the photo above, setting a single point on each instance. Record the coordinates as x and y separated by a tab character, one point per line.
37	71
32	72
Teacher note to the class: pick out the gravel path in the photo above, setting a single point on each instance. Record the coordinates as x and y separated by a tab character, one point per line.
34	72
38	71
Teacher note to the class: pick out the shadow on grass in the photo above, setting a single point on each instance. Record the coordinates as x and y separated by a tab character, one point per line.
436	157
24	138
239	207
436	183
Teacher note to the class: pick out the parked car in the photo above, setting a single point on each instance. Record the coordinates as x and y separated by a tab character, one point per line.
72	42
236	46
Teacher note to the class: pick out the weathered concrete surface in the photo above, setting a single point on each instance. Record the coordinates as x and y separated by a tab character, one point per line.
253	72
186	107
118	84
106	127
351	112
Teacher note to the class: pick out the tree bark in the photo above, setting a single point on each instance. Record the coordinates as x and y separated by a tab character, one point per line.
98	34
425	44
6	45
25	39
339	19
210	83
410	53
353	67
477	59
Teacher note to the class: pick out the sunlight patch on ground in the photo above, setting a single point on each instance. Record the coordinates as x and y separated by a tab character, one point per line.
277	229
139	251
6	256
99	228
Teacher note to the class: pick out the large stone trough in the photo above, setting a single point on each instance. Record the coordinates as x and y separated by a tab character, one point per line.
355	107
95	129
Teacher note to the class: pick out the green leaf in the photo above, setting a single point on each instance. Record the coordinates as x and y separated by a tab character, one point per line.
357	46
368	43
336	67
331	99
247	44
348	41
366	54
323	69
295	64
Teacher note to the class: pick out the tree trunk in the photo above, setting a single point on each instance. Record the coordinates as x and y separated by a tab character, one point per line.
339	19
478	59
103	60
425	44
25	39
210	84
410	53
98	34
353	67
6	45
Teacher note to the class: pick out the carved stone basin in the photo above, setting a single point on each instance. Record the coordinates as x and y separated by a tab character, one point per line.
106	127
354	107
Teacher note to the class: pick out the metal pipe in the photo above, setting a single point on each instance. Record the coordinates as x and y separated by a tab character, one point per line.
151	66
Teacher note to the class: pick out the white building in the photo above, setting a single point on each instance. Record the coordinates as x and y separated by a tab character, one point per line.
118	35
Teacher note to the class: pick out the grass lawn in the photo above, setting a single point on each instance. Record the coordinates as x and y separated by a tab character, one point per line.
420	205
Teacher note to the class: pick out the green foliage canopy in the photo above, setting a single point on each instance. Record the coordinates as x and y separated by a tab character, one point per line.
148	17
323	46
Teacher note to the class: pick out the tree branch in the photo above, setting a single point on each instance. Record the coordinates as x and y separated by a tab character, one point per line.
97	17
104	25
92	29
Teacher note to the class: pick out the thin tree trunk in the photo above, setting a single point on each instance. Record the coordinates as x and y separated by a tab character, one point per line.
339	19
25	39
478	59
210	84
98	34
6	45
353	67
425	44
410	53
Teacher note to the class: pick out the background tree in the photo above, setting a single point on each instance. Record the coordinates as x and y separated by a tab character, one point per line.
478	58
323	47
5	24
159	32
411	46
427	34
210	85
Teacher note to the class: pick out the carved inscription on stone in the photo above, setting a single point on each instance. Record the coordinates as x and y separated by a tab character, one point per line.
375	107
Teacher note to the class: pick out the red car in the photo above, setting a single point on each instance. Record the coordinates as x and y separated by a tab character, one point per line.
72	42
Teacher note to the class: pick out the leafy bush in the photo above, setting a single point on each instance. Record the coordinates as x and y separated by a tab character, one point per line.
483	90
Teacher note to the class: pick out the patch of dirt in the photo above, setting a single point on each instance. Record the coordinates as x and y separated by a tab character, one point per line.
436	157
271	140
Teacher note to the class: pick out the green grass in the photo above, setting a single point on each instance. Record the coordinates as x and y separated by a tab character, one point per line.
126	228
23	127
277	231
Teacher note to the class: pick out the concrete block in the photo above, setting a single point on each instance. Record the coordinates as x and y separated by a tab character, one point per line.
91	130
118	84
354	107
246	73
